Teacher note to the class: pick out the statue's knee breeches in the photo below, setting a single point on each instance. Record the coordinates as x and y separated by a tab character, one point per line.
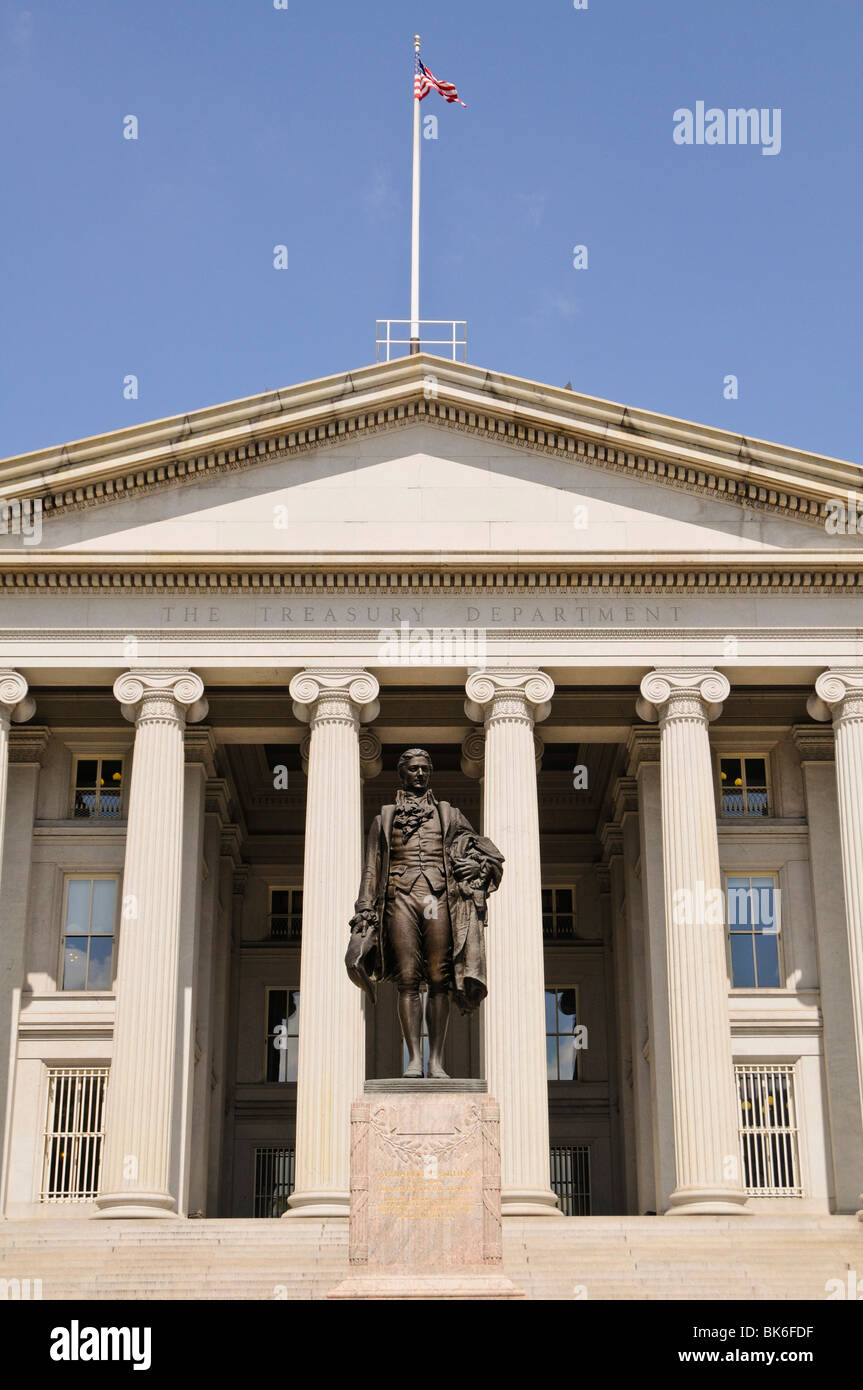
420	939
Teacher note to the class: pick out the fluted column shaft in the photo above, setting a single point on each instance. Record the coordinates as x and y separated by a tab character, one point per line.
509	702
15	706
839	695
331	1061
135	1177
704	1105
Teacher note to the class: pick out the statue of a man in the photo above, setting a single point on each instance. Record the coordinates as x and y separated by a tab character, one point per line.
421	911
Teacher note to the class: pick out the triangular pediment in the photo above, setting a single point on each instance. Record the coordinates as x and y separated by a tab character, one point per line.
425	457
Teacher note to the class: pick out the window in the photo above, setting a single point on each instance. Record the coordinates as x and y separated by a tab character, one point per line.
570	1178
98	789
74	1133
558	920
285	919
768	1130
274	1180
562	1035
283	1021
88	933
743	784
753	931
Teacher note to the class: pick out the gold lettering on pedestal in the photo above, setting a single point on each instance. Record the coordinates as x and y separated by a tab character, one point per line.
414	1196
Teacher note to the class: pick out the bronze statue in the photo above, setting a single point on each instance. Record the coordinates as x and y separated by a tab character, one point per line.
421	911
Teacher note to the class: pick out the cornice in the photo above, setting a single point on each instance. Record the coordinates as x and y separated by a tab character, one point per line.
814	742
29	744
560	423
418	575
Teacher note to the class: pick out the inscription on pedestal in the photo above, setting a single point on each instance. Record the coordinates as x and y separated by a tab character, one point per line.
425	1182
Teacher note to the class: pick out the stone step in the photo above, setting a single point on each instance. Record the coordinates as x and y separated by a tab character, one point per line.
643	1258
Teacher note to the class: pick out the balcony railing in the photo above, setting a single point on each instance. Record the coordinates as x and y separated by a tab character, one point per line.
748	802
97	805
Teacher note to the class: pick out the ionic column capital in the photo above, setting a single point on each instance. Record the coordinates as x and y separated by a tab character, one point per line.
341	696
508	694
160	697
682	693
15	704
838	694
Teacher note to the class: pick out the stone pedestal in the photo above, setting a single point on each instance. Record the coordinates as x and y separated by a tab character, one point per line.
425	1194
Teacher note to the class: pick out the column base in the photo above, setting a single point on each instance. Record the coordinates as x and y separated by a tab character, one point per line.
529	1201
707	1201
134	1205
318	1204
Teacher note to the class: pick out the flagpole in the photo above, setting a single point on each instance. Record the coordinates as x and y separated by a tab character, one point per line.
415	225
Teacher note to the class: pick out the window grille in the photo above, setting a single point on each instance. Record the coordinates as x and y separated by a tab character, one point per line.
285	918
570	1178
743	784
274	1180
74	1132
98	790
558	909
768	1130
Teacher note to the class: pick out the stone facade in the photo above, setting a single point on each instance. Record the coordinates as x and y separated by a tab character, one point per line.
582	612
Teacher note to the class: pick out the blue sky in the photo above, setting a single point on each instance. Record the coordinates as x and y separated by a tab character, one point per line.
260	127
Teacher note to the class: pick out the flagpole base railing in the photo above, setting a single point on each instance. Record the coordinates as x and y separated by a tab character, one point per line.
441	337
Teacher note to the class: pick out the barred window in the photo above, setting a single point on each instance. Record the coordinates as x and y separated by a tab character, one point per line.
743	786
570	1178
768	1130
753	931
285	918
89	925
73	1133
98	788
283	1029
274	1180
558	914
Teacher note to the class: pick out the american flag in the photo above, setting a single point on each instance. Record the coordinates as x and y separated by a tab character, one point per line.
425	82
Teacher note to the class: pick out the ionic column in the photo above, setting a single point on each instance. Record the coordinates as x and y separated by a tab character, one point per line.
15	707
135	1179
509	703
704	1104
839	695
331	1062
